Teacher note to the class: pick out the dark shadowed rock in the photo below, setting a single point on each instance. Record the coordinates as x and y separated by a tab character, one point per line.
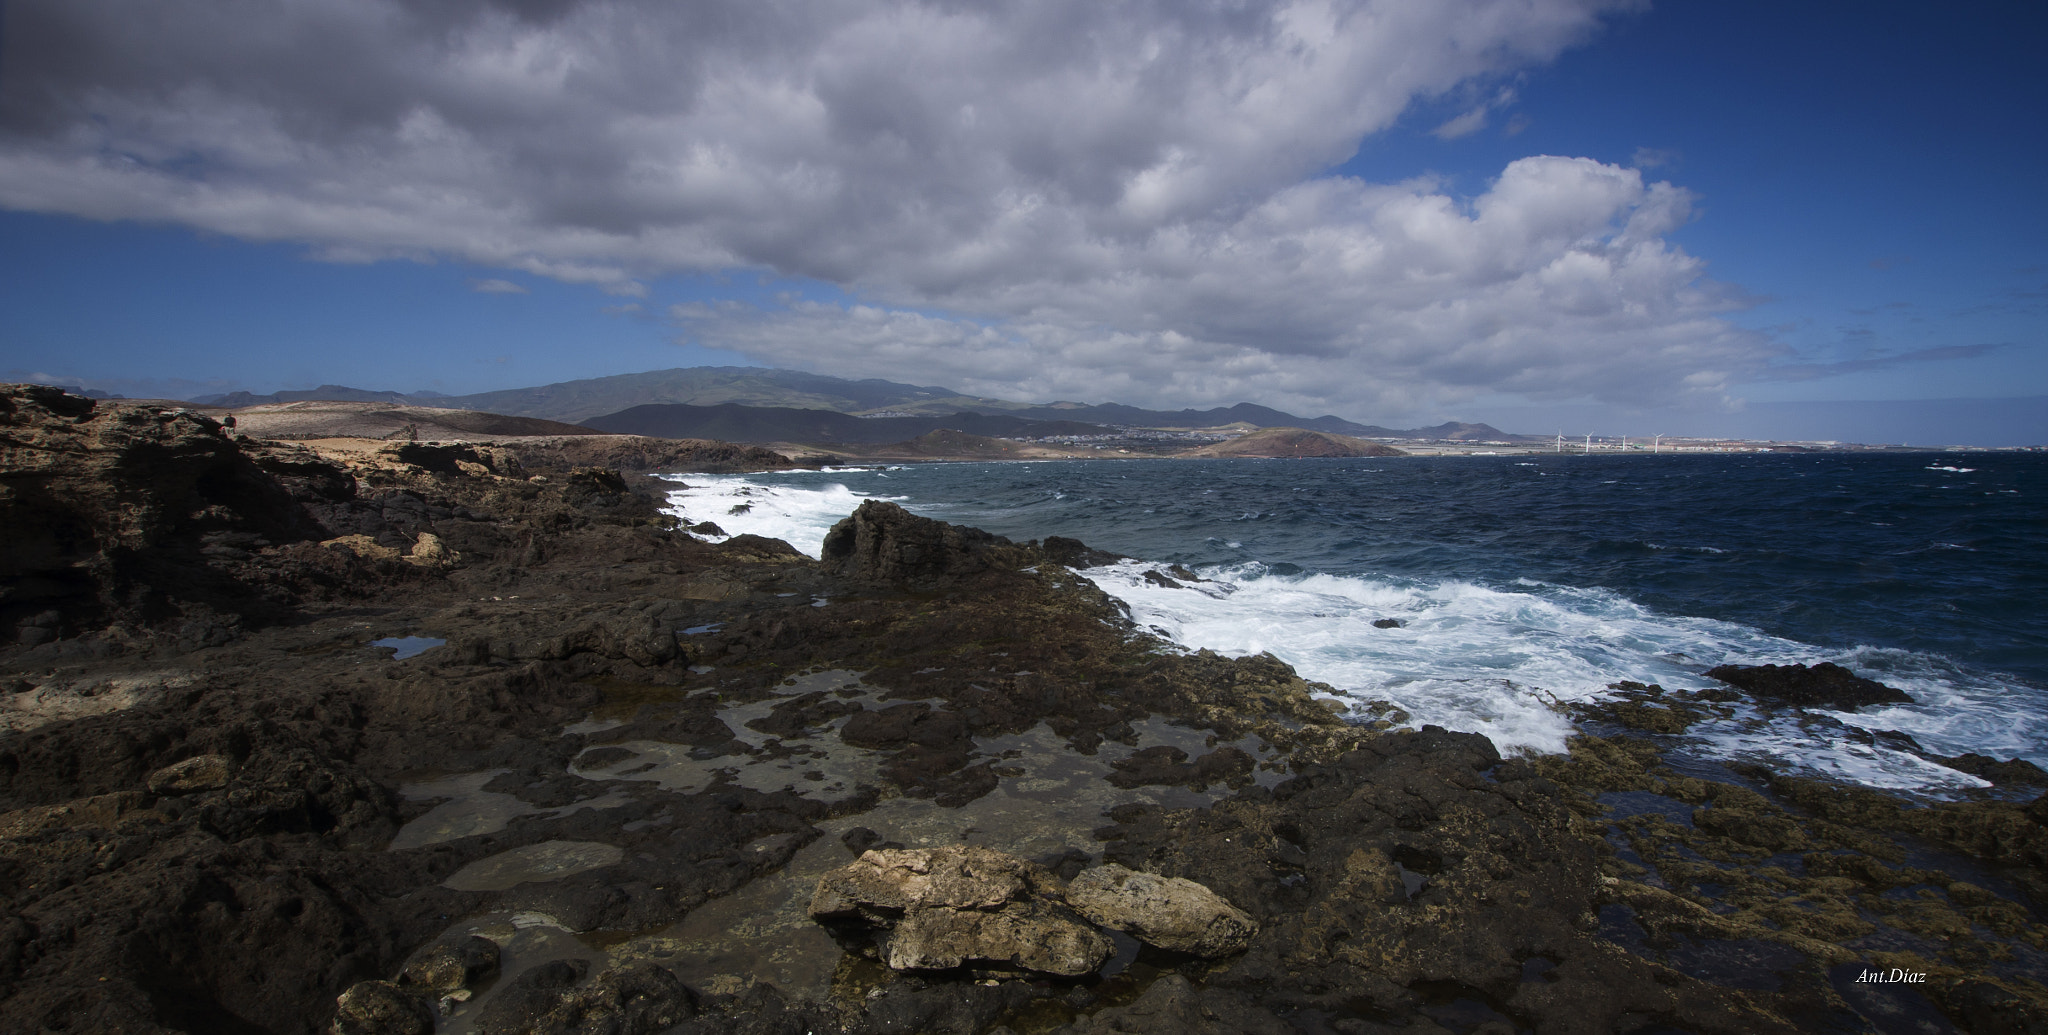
122	510
883	543
531	996
1826	685
2008	772
1173	1004
1075	554
204	773
1165	765
635	1000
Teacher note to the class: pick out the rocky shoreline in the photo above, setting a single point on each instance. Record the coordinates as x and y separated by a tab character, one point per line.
603	794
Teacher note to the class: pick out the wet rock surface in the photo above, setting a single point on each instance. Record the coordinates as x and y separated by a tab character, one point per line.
1826	685
222	811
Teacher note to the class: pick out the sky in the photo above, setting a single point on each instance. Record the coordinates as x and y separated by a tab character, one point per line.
1591	216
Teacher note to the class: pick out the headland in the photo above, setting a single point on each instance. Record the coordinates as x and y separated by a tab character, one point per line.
392	736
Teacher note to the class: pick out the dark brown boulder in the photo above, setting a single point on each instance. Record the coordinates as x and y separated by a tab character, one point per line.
882	543
131	511
1826	685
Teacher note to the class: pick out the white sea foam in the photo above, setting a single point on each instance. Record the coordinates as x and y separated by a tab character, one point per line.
1502	661
797	515
1494	661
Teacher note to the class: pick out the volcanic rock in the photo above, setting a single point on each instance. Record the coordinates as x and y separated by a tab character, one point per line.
446	966
1170	912
1826	685
951	905
381	1008
110	512
885	544
1034	935
887	883
635	1000
1075	554
1165	765
204	773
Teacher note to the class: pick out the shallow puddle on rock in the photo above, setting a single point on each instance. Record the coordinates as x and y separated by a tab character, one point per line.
404	647
818	765
548	860
623	698
470	810
761	932
828	775
1050	798
1155	730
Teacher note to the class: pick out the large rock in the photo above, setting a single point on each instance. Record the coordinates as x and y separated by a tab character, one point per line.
381	1008
1035	935
447	966
960	903
126	510
883	543
1170	912
203	773
1826	685
887	883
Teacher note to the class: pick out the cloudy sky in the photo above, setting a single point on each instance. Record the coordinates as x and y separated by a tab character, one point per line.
1635	217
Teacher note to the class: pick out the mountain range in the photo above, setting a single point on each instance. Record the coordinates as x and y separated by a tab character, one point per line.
720	402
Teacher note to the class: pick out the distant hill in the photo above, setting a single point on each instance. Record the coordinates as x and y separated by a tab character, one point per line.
946	442
331	419
705	387
1295	442
735	423
324	393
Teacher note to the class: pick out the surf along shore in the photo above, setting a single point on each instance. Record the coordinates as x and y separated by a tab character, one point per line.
470	738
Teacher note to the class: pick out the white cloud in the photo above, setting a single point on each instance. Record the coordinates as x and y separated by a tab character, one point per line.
1079	199
1554	284
495	286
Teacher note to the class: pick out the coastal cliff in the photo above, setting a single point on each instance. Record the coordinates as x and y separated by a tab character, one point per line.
466	740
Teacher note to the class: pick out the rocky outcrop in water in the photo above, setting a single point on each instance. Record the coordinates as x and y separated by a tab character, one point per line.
881	543
1826	685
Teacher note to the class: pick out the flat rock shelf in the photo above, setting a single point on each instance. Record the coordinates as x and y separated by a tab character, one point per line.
608	800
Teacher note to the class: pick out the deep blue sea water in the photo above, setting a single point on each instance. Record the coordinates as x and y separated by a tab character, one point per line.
1525	581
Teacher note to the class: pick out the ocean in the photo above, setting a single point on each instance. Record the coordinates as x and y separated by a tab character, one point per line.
1522	583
